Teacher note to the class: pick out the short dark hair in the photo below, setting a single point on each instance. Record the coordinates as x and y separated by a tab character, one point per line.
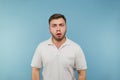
57	16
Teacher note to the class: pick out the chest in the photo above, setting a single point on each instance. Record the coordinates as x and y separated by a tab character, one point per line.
62	57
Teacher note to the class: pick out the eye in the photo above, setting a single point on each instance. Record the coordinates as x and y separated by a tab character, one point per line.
61	25
54	25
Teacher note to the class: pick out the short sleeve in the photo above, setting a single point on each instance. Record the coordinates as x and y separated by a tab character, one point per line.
37	58
80	61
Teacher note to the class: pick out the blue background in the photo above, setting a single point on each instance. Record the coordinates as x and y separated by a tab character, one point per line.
94	24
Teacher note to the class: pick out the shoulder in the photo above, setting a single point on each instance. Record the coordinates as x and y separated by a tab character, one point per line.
72	43
75	46
43	44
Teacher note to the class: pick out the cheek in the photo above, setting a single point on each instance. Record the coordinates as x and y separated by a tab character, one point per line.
52	30
63	29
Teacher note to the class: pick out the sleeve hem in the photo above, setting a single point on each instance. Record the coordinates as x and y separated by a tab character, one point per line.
36	66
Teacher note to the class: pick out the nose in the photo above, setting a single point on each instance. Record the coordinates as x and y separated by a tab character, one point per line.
58	28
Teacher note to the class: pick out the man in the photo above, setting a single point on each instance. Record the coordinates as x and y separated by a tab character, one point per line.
59	56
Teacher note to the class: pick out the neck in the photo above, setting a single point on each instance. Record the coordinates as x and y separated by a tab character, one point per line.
58	43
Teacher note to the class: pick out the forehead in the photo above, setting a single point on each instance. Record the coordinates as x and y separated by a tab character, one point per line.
57	21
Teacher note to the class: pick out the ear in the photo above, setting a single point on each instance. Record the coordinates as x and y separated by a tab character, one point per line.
49	29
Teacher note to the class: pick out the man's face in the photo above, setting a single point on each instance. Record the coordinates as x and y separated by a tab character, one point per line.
57	28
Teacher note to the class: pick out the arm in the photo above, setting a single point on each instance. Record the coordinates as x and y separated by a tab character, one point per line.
81	74
35	73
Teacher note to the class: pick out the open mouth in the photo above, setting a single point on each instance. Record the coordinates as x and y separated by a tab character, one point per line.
59	34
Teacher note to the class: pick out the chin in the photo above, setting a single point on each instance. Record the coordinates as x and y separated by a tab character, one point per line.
58	38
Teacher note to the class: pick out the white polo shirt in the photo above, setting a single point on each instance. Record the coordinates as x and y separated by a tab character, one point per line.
59	64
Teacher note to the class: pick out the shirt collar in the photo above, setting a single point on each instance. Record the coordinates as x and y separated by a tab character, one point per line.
67	42
50	41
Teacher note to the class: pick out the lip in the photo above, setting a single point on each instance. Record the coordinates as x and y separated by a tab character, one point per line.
58	34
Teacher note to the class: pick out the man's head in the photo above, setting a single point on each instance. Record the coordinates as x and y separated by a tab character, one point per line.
57	26
56	16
